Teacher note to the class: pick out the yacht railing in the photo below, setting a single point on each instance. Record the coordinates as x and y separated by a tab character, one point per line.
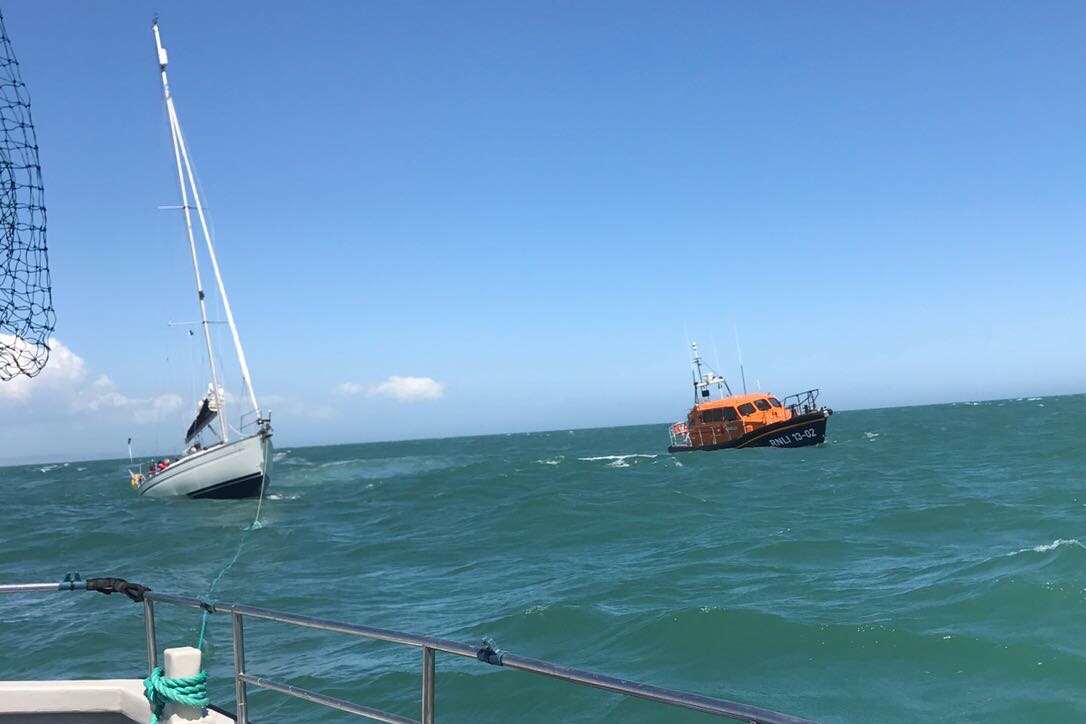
253	420
429	646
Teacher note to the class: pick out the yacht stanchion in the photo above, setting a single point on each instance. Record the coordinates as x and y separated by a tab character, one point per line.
149	630
428	675
239	670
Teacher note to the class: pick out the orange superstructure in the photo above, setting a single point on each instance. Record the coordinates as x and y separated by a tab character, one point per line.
723	421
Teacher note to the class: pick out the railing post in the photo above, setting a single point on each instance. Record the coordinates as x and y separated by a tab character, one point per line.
239	669
428	676
149	629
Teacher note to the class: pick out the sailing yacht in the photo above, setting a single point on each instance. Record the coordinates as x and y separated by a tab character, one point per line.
224	466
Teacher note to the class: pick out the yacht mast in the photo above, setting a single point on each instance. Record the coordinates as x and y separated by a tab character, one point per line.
174	132
179	146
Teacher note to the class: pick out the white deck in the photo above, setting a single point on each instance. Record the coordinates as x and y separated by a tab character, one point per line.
102	701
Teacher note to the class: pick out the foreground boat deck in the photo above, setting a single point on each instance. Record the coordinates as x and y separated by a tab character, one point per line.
101	701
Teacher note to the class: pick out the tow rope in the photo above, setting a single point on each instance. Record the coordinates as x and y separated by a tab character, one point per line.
186	690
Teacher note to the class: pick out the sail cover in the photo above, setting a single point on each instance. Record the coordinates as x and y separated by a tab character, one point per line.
205	414
204	417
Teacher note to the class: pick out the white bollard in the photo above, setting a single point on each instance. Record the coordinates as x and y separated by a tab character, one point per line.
179	662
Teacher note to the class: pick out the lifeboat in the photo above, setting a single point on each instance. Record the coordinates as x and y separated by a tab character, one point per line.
752	419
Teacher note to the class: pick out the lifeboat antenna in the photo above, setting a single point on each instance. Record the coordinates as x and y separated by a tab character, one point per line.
739	351
695	368
704	381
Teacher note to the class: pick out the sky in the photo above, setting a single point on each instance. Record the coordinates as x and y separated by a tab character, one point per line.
447	219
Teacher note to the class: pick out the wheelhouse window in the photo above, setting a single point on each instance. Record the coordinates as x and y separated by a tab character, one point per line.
775	402
746	409
720	414
761	405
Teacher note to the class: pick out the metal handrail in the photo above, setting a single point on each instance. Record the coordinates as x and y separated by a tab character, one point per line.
429	646
806	401
253	418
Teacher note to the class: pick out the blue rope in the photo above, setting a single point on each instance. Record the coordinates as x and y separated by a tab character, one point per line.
186	690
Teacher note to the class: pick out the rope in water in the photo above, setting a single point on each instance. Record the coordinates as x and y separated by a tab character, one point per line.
186	690
192	690
237	554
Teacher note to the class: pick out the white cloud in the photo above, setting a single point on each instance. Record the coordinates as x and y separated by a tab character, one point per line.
350	388
404	389
158	408
64	387
64	368
293	408
408	389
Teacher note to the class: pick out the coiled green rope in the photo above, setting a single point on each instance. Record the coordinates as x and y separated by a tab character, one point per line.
187	690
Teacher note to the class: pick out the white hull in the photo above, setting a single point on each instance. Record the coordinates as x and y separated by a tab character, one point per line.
238	469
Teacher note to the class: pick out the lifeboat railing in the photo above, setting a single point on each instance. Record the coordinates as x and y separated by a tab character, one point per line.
680	434
802	403
429	646
716	435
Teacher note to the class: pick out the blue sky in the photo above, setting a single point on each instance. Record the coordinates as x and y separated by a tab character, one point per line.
530	202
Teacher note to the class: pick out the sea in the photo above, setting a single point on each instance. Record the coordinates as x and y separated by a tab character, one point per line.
924	564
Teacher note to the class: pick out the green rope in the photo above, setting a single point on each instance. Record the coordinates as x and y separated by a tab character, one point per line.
186	690
209	596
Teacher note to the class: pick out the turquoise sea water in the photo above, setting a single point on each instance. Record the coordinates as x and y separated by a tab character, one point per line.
924	564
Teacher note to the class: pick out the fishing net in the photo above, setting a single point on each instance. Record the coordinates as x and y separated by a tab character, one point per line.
26	299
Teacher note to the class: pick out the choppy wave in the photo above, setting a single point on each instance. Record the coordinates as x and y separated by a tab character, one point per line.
937	572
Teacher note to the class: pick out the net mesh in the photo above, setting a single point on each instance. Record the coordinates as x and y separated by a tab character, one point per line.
26	299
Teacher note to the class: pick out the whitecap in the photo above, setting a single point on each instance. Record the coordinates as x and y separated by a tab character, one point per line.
618	457
1056	544
1046	547
337	463
871	435
552	461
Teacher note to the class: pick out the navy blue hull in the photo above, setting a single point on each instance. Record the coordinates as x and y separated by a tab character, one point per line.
247	487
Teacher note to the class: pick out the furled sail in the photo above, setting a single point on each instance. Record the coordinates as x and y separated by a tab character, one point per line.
205	413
